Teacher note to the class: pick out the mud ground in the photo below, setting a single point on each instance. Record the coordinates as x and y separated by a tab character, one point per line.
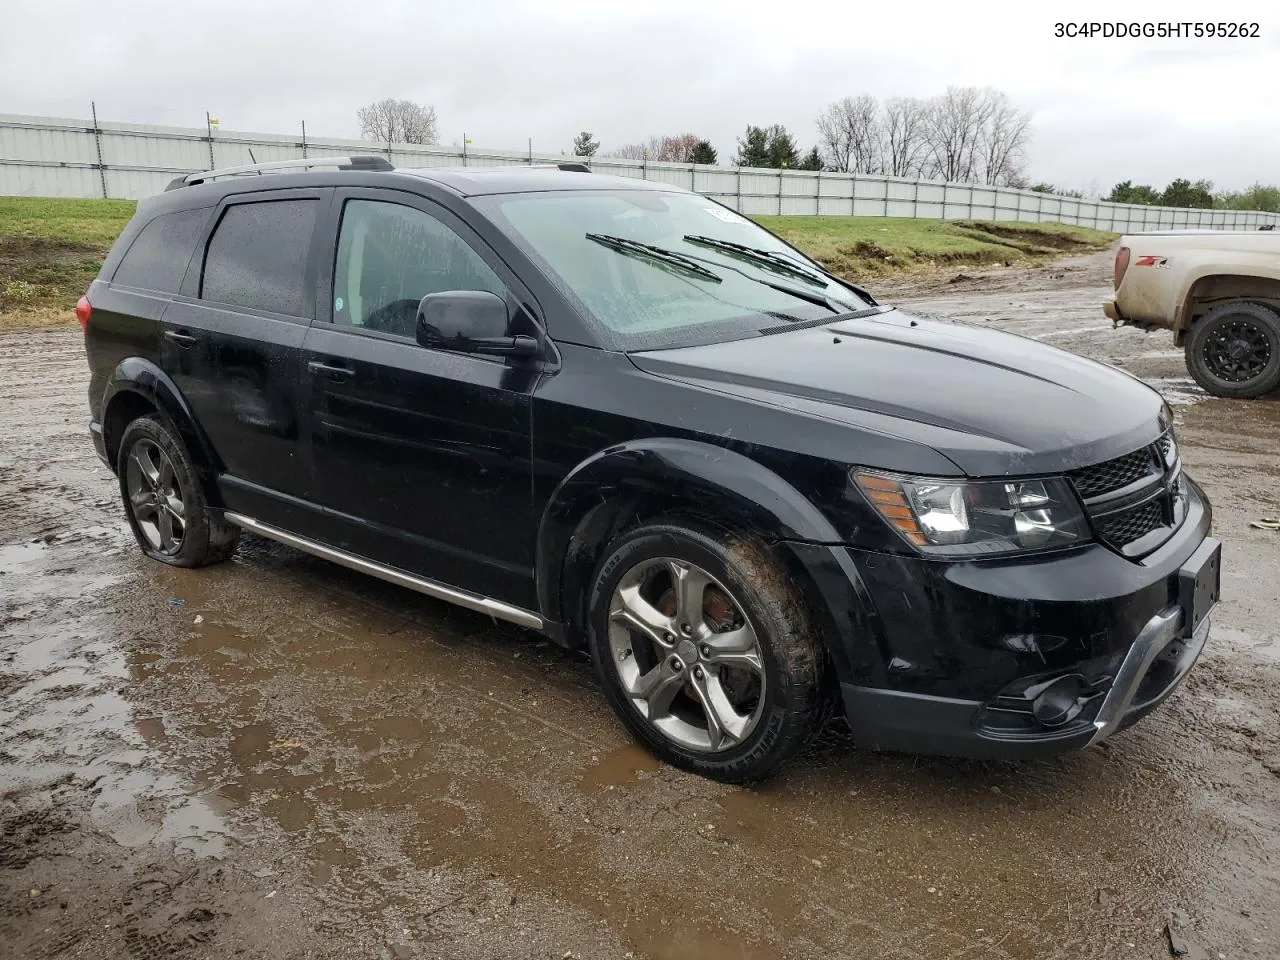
277	758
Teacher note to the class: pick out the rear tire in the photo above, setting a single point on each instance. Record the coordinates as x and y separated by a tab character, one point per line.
705	650
164	501
1234	350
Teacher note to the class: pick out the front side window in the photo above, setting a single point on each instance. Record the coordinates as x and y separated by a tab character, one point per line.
257	256
656	269
391	256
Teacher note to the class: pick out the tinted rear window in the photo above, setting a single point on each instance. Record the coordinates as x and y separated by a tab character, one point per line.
257	256
158	257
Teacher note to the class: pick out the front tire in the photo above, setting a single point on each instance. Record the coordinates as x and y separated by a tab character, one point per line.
164	501
1234	350
705	650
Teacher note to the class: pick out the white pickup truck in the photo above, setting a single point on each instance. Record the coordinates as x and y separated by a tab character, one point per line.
1218	292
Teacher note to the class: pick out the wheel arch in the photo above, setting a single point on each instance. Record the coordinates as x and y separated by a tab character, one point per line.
1216	286
138	387
626	484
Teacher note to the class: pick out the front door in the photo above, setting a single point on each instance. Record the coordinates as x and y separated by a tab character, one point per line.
422	456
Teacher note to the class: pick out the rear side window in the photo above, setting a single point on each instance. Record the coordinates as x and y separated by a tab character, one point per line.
158	257
257	256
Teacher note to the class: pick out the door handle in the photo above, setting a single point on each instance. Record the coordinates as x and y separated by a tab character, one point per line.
331	371
184	340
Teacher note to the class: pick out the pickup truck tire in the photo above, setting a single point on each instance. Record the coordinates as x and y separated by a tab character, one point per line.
1234	350
687	624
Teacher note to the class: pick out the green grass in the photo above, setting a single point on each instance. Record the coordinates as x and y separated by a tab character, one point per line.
868	247
50	251
95	222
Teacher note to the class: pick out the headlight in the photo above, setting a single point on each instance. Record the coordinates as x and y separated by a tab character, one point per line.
951	518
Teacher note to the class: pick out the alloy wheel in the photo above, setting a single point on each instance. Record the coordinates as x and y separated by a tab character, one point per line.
155	497
687	656
1237	350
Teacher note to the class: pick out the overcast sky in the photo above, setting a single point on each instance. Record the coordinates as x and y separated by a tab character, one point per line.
1103	109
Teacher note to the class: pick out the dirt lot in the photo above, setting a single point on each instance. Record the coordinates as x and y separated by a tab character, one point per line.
278	758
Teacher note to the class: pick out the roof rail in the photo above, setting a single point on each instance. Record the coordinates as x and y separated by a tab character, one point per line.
569	166
342	163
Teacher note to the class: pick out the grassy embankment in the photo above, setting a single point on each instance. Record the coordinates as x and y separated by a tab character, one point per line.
864	248
50	249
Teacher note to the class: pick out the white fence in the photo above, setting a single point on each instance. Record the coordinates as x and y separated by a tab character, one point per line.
52	157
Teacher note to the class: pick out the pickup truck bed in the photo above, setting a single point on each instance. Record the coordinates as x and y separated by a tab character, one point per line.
1218	292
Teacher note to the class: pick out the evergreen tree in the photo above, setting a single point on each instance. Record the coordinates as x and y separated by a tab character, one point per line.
703	152
812	160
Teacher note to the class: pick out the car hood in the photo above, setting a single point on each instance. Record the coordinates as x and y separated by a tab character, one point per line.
993	403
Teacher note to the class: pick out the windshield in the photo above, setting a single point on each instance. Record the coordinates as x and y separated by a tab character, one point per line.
655	269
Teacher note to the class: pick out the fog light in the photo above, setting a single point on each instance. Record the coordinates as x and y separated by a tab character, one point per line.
1060	701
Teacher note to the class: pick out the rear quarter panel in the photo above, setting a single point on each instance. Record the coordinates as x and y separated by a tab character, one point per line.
1163	269
124	324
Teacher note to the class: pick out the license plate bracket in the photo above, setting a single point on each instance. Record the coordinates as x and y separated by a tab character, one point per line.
1200	585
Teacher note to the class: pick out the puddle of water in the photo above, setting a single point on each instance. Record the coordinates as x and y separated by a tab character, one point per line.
1263	647
1179	391
697	943
67	717
618	768
151	729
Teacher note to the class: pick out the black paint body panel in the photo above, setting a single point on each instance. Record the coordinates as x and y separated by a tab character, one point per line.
491	475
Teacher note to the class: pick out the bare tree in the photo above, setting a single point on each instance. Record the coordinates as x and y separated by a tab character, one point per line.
833	136
677	149
849	134
671	149
903	145
954	123
398	121
1004	137
628	151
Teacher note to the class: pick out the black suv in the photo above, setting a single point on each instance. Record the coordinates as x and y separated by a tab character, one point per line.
621	413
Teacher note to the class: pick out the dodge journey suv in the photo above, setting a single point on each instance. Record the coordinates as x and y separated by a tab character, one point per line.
623	414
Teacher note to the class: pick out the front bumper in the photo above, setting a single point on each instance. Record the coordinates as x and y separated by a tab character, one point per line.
1156	663
969	658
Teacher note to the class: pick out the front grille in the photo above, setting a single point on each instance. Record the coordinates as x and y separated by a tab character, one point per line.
1114	474
1120	525
1122	529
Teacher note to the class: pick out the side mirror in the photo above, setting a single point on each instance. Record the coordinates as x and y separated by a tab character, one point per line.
470	321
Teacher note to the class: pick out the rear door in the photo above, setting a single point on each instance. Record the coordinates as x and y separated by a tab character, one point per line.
232	344
421	455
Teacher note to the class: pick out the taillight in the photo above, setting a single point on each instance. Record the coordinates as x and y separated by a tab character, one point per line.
1122	264
83	312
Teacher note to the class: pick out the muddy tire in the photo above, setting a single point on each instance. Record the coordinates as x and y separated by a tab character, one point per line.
1234	350
705	650
164	501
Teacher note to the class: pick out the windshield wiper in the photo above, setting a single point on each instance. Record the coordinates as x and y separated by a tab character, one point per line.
658	256
676	262
780	262
763	258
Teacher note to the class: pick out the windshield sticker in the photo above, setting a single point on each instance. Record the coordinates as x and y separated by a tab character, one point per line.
337	304
721	213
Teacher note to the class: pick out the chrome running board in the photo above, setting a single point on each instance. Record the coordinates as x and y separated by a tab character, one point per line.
472	601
